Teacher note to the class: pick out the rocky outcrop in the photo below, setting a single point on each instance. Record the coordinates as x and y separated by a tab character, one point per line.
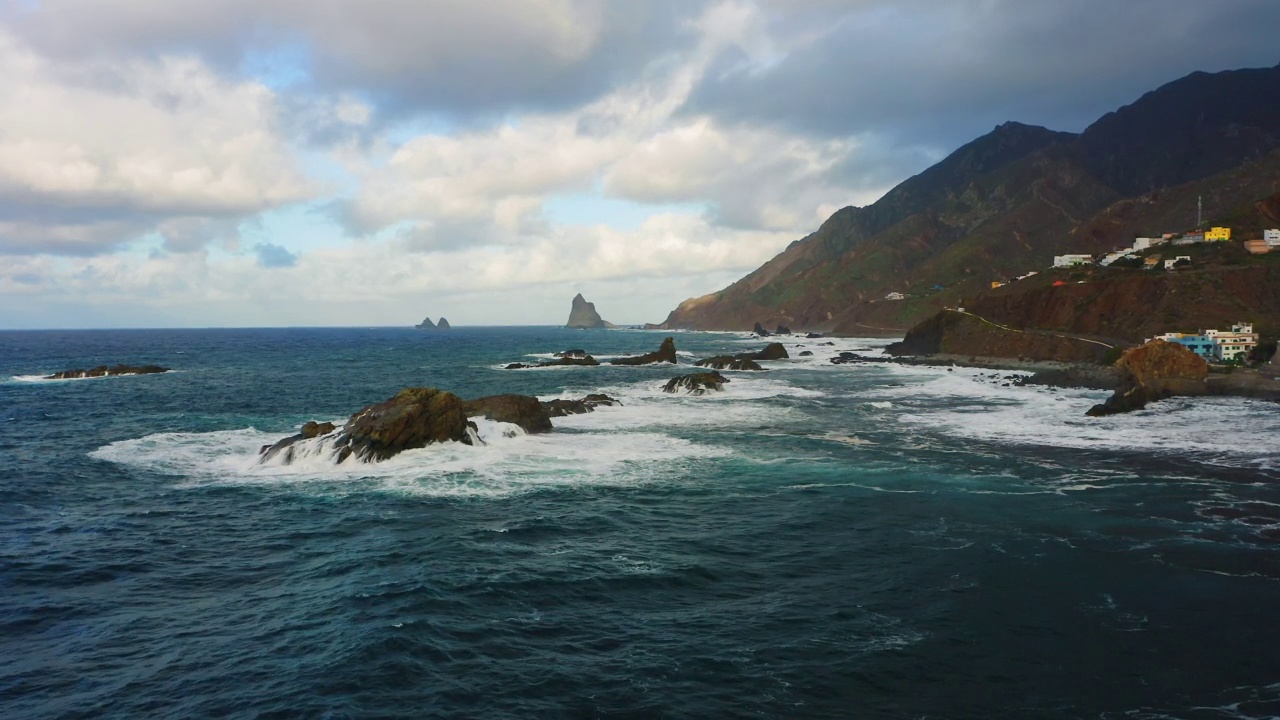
696	383
426	324
729	362
576	353
561	408
583	315
1155	371
772	351
104	371
443	324
521	410
414	418
584	361
759	330
806	353
782	330
665	354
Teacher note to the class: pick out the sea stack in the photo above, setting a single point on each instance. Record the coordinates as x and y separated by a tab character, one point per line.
583	315
443	324
426	324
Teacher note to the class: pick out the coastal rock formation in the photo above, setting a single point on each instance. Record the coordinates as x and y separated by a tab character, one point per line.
772	351
806	353
585	361
729	362
1153	372
443	324
103	371
759	330
583	315
664	354
521	410
696	383
782	330
426	324
414	418
311	429
561	408
576	354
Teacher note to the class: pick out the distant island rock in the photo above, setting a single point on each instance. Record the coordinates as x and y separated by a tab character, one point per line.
426	324
583	315
104	371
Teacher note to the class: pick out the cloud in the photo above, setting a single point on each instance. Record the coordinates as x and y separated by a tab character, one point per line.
274	256
94	153
452	56
941	73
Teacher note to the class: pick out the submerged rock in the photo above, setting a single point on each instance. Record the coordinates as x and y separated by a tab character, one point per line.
103	371
521	410
696	383
729	362
561	408
1152	372
665	354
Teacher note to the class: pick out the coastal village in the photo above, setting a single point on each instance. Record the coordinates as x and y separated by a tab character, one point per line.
1216	346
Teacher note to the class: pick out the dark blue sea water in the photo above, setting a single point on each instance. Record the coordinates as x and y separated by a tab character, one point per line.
860	541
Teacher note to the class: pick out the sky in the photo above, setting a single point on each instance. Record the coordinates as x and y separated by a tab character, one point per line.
176	163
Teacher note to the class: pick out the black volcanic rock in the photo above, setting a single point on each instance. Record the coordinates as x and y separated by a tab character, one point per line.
772	351
521	410
584	361
104	371
759	330
696	383
561	408
729	362
664	354
583	315
782	330
414	418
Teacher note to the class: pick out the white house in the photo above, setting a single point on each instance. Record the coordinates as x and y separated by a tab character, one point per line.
1144	243
1272	237
1114	256
895	296
1060	261
1168	264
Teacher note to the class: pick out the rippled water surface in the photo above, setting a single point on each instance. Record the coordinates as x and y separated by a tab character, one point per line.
856	541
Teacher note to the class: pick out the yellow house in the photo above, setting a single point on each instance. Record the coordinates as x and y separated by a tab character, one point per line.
1218	234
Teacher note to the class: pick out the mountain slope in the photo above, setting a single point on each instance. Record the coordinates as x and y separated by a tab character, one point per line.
999	206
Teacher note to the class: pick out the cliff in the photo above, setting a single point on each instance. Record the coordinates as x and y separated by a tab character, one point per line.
1009	201
583	315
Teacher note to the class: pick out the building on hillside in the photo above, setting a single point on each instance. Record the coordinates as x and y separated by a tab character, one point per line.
1114	256
1191	238
1257	247
1145	243
996	284
1151	263
1234	343
1171	264
895	296
1200	344
1060	261
1218	234
1216	345
1272	237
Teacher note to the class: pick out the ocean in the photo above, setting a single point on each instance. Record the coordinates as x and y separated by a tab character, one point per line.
817	541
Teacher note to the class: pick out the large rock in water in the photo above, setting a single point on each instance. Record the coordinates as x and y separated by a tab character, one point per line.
1155	371
696	383
583	315
521	410
561	408
585	361
443	324
426	324
772	351
414	418
665	354
103	371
